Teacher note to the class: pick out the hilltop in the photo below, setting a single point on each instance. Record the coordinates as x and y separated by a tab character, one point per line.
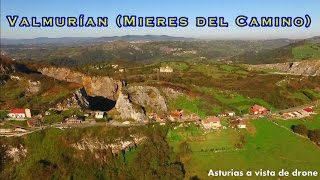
308	49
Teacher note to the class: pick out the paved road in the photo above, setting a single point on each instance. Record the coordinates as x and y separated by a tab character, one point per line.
65	126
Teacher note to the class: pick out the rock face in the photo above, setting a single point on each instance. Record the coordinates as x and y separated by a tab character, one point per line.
94	85
116	147
305	68
128	110
148	97
136	101
16	153
33	87
78	100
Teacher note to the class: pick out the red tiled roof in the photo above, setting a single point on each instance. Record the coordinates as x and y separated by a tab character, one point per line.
211	119
175	114
17	111
257	107
308	109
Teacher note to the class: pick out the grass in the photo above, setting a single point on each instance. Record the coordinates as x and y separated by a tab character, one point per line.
188	104
176	65
3	114
14	93
235	101
306	51
22	123
270	148
311	122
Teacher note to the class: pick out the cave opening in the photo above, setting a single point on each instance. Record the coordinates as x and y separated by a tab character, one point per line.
99	103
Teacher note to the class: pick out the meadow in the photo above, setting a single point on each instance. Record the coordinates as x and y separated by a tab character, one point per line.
268	147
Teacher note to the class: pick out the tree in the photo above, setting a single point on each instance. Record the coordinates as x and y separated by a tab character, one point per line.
185	148
315	136
2	156
300	129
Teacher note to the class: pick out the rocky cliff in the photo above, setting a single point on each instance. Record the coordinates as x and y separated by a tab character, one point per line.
79	100
135	102
94	85
119	144
148	97
128	110
305	68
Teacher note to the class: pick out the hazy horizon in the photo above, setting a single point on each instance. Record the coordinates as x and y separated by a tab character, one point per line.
195	38
191	9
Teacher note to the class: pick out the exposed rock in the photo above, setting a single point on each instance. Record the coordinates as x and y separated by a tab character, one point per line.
16	153
305	68
148	97
33	87
171	93
128	110
94	85
78	100
116	147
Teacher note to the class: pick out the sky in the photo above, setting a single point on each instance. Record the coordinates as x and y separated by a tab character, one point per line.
229	9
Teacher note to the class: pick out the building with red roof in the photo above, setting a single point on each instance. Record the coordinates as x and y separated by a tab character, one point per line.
211	122
258	110
19	114
308	109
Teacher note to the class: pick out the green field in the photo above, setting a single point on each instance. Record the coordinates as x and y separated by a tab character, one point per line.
269	148
306	51
311	122
235	101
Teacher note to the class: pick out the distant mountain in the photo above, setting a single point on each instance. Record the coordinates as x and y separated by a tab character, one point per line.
308	49
77	40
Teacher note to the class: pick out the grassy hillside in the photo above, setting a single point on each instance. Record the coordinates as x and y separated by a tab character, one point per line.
267	146
85	54
303	50
14	93
51	155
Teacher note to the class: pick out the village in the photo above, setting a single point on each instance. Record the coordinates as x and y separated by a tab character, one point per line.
228	119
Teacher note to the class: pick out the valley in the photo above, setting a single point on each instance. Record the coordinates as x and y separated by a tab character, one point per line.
137	109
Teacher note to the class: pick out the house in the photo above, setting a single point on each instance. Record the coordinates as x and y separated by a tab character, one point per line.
47	113
33	122
242	123
114	66
238	123
176	115
211	122
308	110
258	110
73	120
166	69
99	115
161	119
229	113
153	116
19	114
121	70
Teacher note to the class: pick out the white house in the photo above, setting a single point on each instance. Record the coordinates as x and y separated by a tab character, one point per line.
99	115
211	123
19	114
166	69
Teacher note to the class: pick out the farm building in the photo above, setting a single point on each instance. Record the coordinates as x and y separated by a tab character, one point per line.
176	115
99	115
242	124
256	110
228	114
239	123
308	110
19	114
73	120
166	69
211	122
